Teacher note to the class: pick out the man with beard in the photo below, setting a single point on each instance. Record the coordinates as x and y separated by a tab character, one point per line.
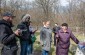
7	36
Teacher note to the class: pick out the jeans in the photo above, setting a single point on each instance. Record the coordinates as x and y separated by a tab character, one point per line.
44	52
31	48
25	48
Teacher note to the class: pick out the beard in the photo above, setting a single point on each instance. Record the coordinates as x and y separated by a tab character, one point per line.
10	23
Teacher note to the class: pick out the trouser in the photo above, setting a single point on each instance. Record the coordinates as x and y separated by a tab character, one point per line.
54	40
25	48
31	48
44	52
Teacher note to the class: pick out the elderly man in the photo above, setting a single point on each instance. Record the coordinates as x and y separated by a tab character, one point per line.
7	36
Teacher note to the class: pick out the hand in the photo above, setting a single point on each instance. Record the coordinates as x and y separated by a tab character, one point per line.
41	43
17	32
36	29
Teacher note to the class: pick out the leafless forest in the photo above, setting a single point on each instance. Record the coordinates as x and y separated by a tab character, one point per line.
41	10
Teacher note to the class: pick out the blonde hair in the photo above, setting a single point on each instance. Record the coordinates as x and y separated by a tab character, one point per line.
45	22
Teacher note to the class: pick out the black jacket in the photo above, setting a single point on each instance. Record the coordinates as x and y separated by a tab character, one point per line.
25	33
7	37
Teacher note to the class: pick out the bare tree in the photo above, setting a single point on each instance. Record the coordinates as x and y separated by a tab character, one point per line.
0	7
46	6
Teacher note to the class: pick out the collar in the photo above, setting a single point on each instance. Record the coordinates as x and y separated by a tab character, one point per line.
61	31
6	23
46	27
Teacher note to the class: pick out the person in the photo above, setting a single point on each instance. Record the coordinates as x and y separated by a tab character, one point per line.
7	36
63	37
81	48
24	34
55	30
46	38
32	32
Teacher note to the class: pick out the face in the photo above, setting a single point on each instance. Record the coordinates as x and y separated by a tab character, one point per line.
27	19
30	23
64	27
48	24
8	18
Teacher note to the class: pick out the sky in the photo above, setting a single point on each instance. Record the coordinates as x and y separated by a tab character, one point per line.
29	0
64	2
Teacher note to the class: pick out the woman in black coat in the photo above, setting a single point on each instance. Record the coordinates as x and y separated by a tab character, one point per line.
25	38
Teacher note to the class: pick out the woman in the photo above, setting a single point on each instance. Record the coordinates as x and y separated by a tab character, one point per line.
24	35
46	38
32	32
56	28
63	37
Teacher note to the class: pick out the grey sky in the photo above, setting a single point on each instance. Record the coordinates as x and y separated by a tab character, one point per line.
63	2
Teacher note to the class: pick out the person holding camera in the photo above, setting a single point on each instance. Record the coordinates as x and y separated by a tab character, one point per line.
25	38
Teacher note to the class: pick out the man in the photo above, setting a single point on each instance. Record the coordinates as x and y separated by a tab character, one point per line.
33	38
7	36
55	30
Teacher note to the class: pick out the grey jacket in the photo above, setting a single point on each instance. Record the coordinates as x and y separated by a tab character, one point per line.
46	38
